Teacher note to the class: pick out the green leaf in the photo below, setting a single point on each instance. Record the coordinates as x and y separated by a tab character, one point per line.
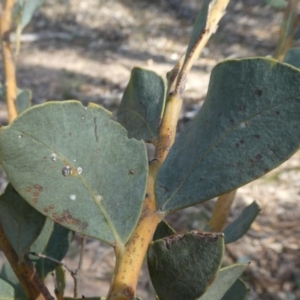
54	242
9	292
182	266
226	277
292	57
60	277
9	275
248	125
143	104
28	9
277	3
23	100
21	223
238	291
241	225
163	230
198	28
77	166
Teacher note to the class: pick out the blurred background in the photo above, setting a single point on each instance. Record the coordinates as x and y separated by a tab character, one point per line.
85	50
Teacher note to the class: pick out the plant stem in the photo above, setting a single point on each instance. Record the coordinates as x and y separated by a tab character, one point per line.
221	211
8	59
32	284
130	259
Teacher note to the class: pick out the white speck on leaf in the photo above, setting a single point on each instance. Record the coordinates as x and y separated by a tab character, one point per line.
243	125
20	136
53	156
72	197
99	198
79	170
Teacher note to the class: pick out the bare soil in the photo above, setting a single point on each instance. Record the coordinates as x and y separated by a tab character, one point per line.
85	49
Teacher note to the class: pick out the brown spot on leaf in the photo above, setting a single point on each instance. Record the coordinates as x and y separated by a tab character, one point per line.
266	170
28	189
256	136
242	108
277	112
258	156
131	172
68	219
220	114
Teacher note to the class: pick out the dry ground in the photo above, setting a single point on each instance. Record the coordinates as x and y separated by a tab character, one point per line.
76	49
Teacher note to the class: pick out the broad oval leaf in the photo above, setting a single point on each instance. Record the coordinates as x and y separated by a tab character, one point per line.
9	292
77	166
21	223
53	242
248	125
225	279
292	57
183	266
142	104
241	225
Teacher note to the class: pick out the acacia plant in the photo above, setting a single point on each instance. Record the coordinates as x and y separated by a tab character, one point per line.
73	169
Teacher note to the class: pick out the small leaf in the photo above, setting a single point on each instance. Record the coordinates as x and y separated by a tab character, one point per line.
28	9
223	282
77	166
292	57
163	230
182	266
9	292
238	291
9	275
142	104
23	100
60	277
277	3
21	223
248	125
54	242
241	225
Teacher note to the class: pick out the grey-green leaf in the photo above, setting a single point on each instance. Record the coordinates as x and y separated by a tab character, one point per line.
9	275
238	291
28	9
21	222
292	57
163	230
198	28
9	292
226	277
23	100
248	125
182	266
77	166
54	242
241	225
277	3
142	104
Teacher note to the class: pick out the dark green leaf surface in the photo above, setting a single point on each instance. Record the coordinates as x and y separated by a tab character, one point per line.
163	230
198	28
182	266
238	291
54	242
77	166
248	125
292	57
226	277
9	292
23	100
142	104
21	222
241	225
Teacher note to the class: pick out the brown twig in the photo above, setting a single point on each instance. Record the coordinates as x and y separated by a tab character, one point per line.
8	59
31	282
